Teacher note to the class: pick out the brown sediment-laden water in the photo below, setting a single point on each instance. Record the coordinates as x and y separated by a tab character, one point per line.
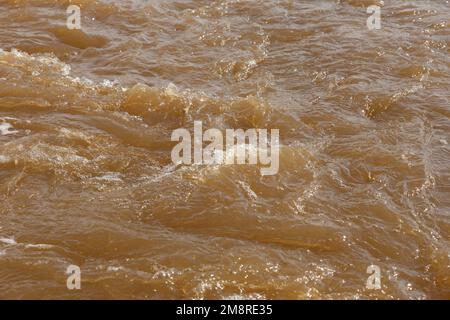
87	179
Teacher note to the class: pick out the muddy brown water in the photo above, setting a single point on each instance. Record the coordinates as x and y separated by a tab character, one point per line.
87	179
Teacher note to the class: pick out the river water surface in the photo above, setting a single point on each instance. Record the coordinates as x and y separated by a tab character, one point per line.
87	179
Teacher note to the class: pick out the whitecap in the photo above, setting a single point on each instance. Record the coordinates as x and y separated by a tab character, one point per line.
111	176
9	241
39	246
5	129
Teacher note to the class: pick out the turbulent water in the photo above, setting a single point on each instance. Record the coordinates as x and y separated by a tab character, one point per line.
87	179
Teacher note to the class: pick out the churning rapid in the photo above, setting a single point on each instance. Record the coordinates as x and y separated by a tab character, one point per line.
86	117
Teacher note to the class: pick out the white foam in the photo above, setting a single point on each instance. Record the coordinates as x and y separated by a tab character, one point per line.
4	159
114	269
252	296
112	176
5	129
9	241
13	242
39	246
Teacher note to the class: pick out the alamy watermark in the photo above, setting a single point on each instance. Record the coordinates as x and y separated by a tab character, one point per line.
374	280
74	19
74	279
374	20
252	146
